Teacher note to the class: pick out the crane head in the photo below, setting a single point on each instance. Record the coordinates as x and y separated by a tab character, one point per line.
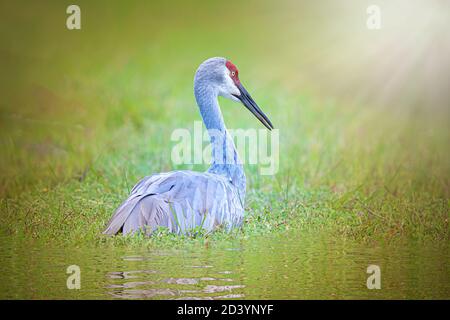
224	76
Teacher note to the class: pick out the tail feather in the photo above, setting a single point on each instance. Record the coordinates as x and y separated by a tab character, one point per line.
122	214
141	212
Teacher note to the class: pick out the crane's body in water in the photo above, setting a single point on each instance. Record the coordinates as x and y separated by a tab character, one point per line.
184	200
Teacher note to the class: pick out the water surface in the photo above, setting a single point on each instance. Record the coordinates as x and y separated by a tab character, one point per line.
295	265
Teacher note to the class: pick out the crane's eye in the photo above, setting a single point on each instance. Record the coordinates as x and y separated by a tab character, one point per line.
233	73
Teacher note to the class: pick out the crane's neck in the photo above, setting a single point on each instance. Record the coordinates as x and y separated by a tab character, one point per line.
224	158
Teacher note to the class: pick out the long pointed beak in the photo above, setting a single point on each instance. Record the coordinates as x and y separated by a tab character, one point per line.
251	105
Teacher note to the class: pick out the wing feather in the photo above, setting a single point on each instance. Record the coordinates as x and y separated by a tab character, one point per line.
178	200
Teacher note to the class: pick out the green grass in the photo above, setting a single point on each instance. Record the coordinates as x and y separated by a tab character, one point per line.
87	113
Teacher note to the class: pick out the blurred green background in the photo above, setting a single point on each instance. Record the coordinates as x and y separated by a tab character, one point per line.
363	114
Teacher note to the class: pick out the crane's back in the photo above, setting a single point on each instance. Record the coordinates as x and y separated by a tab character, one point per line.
179	201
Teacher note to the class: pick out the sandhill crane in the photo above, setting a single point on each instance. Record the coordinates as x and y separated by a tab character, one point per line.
183	200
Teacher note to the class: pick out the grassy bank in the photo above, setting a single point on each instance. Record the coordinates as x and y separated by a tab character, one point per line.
87	113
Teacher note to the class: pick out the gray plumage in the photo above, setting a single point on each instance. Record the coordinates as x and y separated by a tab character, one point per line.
180	201
183	200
